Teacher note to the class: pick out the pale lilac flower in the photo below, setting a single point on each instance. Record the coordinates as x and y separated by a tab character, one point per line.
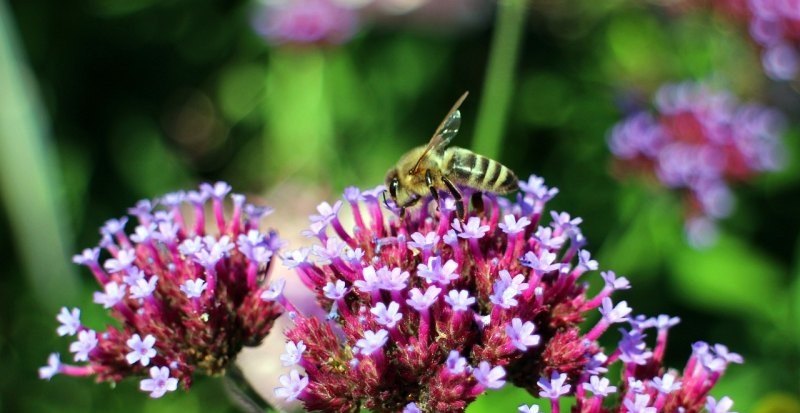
123	260
411	408
528	409
326	212
420	301
436	273
459	300
335	291
70	321
141	350
586	261
88	256
87	341
615	314
613	282
113	293
144	288
387	316
545	262
217	191
423	242
555	387
511	225
372	341
599	386
294	353
113	226
639	404
455	363
274	291
521	335
488	376
724	405
191	246
371	282
159	382
472	229
194	288
52	368
666	384
132	276
296	258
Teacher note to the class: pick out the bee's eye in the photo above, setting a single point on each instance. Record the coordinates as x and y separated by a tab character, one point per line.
393	187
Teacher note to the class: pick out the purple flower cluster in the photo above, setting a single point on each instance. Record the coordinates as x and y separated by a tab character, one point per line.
305	22
428	312
700	141
186	297
775	26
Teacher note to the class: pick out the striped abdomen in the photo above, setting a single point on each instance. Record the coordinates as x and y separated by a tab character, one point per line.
475	171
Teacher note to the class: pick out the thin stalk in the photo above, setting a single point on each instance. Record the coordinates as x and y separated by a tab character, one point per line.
29	178
242	394
499	82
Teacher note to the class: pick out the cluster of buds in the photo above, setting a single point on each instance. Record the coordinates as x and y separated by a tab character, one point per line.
187	297
699	141
775	26
427	312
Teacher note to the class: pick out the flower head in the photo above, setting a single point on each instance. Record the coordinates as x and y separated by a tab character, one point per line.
698	143
438	310
304	22
186	297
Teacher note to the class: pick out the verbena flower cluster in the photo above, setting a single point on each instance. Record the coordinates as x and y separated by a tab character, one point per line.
305	22
775	26
187	294
699	141
428	312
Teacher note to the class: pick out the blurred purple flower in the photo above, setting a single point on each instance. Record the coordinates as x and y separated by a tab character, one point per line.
306	22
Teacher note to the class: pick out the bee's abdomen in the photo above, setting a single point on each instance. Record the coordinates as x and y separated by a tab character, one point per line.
479	172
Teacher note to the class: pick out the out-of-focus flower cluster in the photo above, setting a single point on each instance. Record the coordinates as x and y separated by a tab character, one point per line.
331	22
700	141
187	297
428	312
775	26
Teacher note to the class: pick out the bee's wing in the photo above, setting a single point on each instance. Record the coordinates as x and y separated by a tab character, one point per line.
446	131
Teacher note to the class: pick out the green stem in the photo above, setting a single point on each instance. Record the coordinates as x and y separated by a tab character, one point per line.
499	83
29	178
242	394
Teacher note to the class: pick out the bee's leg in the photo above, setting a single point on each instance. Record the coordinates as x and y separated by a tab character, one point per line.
477	202
457	196
410	202
434	191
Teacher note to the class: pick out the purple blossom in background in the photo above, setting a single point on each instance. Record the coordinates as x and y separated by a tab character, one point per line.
186	300
699	142
306	22
408	335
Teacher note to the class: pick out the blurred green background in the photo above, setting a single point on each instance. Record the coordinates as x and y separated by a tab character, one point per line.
104	102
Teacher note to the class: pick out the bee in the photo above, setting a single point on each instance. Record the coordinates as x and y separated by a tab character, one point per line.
435	167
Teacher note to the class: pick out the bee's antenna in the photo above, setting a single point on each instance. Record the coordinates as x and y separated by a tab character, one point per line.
385	201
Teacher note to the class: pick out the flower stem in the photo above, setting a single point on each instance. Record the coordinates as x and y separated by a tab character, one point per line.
242	394
499	82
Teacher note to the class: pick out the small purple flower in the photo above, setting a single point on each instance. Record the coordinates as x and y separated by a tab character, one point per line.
511	225
613	282
423	242
372	341
306	22
326	212
194	288
88	256
528	409
724	405
455	363
536	188
472	229
411	408
70	321
488	376
387	316
113	226
141	350
586	261
371	282
420	301
112	294
664	322
639	404
728	356
218	191
545	262
159	382
123	260
521	335
599	386
555	387
633	349
436	273
615	314
294	353
296	258
335	291
275	290
666	384
53	367
394	280
459	300
144	288
87	341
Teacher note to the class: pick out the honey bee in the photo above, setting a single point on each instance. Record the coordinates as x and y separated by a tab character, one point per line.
434	167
